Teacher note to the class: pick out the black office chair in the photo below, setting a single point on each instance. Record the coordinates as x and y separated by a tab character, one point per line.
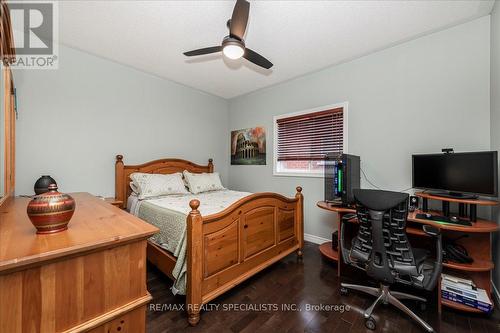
381	248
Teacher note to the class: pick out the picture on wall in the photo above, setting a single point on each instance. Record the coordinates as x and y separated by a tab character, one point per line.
248	146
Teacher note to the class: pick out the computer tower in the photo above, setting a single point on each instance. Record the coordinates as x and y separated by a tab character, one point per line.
342	176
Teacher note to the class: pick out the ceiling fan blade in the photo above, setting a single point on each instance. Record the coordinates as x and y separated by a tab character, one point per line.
239	19
257	59
206	50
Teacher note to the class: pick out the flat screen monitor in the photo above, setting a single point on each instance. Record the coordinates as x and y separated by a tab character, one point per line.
457	173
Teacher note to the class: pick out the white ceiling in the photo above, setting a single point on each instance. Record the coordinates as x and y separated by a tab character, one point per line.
297	36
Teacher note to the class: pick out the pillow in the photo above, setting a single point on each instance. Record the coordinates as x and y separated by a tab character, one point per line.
203	182
148	185
134	188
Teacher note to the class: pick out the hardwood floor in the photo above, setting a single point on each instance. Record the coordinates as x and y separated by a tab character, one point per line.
298	284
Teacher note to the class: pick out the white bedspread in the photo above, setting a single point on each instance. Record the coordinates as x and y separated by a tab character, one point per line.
210	202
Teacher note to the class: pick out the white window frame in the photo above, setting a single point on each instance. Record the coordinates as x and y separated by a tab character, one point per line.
318	174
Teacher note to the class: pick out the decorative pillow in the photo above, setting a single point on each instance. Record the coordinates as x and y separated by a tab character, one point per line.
202	182
148	185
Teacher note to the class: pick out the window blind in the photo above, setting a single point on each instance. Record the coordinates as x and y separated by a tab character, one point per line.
310	136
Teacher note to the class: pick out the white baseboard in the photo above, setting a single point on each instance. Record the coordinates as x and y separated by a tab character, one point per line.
496	293
315	239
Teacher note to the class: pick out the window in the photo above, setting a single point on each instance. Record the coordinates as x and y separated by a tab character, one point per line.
302	139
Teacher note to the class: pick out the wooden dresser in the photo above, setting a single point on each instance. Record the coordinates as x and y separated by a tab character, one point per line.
90	278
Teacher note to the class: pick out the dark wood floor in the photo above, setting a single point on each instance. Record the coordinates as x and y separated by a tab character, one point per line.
312	281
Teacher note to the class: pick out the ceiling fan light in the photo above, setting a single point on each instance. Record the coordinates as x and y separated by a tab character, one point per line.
233	51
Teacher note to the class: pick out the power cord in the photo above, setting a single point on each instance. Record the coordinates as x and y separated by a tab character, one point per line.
377	187
366	178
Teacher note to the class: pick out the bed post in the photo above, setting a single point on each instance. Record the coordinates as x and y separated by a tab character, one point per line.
210	165
194	262
299	218
119	195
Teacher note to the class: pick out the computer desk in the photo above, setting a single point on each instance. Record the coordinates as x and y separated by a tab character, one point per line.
477	243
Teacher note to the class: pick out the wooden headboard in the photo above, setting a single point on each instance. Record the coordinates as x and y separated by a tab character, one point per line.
163	166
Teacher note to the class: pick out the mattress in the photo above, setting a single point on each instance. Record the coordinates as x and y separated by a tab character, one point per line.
169	214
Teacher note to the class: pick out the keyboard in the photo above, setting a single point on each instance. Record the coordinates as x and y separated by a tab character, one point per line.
443	219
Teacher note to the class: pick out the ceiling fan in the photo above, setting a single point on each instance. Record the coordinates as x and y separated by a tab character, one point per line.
233	45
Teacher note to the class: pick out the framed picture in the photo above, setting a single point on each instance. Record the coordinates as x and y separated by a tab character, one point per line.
248	146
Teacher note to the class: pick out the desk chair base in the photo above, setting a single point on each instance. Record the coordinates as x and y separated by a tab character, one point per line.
386	296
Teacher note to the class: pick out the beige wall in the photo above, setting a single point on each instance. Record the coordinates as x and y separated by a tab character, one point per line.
74	120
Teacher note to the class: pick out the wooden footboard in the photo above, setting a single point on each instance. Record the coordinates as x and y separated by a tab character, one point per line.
227	248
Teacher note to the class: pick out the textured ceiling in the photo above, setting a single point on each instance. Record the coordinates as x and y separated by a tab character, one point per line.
297	36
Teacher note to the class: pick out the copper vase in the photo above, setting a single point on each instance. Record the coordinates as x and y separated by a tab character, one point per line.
50	212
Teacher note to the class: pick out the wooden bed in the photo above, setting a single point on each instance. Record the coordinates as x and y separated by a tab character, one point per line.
226	248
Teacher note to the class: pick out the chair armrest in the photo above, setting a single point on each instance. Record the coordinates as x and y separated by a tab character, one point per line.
431	230
343	249
349	216
430	283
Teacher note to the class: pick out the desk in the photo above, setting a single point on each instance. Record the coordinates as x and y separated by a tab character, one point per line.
478	244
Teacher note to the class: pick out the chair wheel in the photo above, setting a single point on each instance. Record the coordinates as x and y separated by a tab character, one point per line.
344	291
370	323
423	306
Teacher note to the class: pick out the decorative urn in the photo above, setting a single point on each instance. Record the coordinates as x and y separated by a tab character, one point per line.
42	184
50	212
